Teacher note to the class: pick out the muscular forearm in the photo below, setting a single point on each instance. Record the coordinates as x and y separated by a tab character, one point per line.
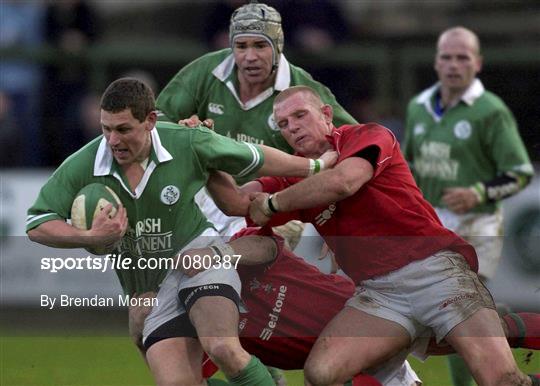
278	163
59	234
329	186
254	249
228	197
247	250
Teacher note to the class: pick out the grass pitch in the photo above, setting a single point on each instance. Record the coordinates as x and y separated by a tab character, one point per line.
111	360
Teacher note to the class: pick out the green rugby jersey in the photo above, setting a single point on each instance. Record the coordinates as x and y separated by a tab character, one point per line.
206	87
163	216
474	141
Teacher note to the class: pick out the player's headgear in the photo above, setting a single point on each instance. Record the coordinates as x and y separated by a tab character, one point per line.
258	19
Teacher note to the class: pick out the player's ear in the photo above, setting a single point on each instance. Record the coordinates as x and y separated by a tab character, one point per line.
479	63
328	113
151	119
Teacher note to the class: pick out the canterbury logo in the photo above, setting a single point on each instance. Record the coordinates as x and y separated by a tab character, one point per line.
250	27
215	108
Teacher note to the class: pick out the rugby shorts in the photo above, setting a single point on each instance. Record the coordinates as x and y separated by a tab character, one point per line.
438	292
168	304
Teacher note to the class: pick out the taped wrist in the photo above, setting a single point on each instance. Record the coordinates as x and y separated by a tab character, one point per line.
316	166
272	203
505	185
222	250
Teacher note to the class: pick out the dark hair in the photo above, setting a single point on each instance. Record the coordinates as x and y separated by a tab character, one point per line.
129	93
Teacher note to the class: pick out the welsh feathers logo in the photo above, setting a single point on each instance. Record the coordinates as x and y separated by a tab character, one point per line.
170	195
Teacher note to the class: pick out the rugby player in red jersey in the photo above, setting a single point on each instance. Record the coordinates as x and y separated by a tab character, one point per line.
412	274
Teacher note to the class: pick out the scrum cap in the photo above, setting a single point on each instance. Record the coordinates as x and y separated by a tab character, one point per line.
258	19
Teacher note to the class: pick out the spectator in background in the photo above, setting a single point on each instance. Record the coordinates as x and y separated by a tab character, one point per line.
89	116
10	134
88	122
71	26
21	27
466	154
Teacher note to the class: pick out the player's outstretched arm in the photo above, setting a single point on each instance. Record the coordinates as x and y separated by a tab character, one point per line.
228	196
336	184
246	250
279	163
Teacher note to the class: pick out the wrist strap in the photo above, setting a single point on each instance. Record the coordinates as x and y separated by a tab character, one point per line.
271	205
317	167
266	208
223	249
311	167
480	191
322	164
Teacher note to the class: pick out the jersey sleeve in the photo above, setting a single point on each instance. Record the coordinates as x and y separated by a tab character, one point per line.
217	152
360	137
178	99
55	198
406	144
505	144
273	184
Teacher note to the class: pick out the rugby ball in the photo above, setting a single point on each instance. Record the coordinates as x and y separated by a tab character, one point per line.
88	203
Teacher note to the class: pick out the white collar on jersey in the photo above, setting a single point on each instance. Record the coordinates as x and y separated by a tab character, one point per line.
104	160
475	90
283	80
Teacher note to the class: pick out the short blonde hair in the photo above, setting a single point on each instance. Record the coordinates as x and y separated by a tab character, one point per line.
311	94
461	31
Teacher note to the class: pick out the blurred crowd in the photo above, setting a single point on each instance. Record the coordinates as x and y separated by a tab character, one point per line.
49	111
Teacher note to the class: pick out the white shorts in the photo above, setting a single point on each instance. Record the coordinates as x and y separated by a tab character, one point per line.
168	305
483	231
435	293
391	373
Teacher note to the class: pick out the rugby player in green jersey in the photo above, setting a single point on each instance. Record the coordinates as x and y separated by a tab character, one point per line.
156	169
236	87
464	149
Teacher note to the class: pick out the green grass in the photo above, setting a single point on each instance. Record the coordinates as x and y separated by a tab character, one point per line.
106	360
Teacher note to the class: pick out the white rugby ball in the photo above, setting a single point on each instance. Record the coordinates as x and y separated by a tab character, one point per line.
88	203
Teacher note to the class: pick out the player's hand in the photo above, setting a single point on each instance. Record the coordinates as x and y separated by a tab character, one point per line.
107	230
291	233
256	208
325	252
137	315
193	261
330	158
195	121
459	200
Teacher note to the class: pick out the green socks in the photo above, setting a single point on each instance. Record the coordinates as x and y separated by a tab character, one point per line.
255	373
459	371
